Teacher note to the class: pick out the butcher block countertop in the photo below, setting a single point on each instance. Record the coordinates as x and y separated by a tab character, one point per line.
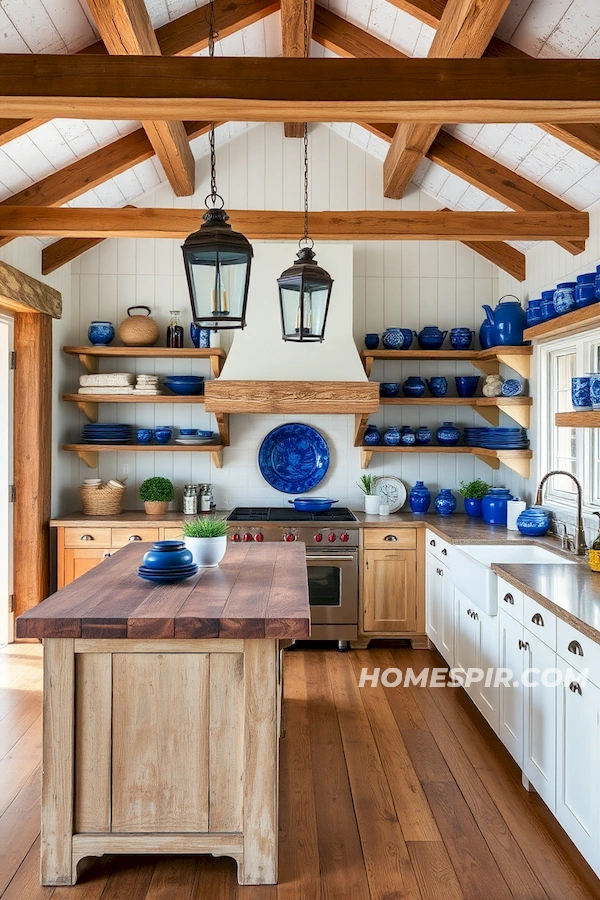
258	591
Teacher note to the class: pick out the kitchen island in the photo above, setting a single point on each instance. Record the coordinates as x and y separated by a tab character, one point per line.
162	709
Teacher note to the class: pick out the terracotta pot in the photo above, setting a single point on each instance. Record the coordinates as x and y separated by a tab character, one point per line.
156	507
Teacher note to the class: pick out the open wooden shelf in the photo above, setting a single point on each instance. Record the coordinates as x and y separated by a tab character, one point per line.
518	408
517	460
88	403
487	361
583	319
586	419
89	356
89	452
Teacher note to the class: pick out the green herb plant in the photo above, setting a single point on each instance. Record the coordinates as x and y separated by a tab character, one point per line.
367	484
205	527
474	490
157	489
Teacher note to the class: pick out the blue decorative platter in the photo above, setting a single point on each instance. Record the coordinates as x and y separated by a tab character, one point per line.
293	458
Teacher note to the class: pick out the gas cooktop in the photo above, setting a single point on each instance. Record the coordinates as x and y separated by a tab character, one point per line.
288	514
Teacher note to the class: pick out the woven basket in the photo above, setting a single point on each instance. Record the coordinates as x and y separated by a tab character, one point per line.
102	501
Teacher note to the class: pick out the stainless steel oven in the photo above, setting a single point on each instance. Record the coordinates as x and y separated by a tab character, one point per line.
333	593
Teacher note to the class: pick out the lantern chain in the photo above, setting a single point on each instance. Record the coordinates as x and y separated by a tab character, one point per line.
306	241
212	35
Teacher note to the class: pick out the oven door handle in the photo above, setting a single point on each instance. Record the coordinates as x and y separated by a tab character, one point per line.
331	558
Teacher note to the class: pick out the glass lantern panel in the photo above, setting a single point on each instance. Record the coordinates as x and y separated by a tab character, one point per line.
290	305
219	283
315	306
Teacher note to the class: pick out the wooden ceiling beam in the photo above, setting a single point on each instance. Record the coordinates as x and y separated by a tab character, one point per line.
285	225
424	91
427	11
126	30
293	43
464	31
348	40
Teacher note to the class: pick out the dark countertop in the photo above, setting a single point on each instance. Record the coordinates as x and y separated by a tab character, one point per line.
257	591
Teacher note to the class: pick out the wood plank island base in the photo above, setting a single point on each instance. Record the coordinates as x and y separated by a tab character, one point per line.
162	707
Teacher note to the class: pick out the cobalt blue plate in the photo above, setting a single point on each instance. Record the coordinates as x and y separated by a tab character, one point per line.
166	579
293	458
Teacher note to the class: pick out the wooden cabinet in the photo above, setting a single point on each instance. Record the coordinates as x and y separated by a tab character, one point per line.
79	560
390	590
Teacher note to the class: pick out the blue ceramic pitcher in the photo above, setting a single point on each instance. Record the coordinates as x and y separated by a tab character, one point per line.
508	321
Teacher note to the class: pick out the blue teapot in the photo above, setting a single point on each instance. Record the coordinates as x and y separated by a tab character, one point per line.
430	337
508	321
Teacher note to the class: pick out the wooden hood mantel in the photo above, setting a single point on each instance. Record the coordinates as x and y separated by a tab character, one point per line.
333	397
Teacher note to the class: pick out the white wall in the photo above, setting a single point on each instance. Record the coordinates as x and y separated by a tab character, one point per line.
394	283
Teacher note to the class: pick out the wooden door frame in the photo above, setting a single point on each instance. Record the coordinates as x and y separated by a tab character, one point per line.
33	305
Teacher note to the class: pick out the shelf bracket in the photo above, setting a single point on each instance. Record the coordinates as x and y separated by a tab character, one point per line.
90	363
490	461
365	458
489	413
89	457
360	426
520	414
217	458
223	426
368	364
89	409
520	465
520	364
216	364
487	366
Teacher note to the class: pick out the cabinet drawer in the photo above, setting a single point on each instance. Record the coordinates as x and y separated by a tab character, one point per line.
510	600
87	536
436	545
123	536
390	538
539	621
578	651
171	534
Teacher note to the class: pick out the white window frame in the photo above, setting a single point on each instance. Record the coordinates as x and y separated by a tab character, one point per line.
586	351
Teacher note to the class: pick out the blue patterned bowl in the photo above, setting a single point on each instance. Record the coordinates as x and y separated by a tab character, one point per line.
163	435
512	387
392	339
371	341
144	435
437	386
389	388
100	334
466	385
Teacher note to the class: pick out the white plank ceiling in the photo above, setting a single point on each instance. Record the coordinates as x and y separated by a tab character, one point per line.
542	28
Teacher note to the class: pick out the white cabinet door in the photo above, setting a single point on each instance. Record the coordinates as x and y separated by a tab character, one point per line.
433	598
466	638
487	693
539	722
577	761
446	618
510	699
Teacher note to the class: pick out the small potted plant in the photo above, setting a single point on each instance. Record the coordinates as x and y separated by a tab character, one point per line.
206	539
367	486
472	493
156	493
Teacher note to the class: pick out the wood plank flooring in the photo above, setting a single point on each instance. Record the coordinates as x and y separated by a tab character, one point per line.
386	794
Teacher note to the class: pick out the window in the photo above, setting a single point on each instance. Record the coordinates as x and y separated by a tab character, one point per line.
574	450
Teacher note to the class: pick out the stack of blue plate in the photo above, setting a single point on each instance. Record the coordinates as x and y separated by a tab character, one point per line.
104	433
496	438
167	562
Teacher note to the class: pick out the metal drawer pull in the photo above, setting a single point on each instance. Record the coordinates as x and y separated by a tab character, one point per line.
440	572
537	619
432	543
390	537
523	645
508	598
134	537
86	537
576	648
476	616
106	555
576	688
444	552
469	612
310	558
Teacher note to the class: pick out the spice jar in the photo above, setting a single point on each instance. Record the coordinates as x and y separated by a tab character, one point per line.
190	500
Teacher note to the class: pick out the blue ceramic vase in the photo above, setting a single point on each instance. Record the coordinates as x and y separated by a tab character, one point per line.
437	386
473	507
533	522
372	435
100	334
371	341
392	339
413	386
419	498
564	297
422	435
200	336
580	392
486	339
430	337
407	437
447	435
445	502
461	338
493	506
391	436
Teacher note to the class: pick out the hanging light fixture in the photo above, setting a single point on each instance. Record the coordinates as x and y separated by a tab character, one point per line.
304	288
217	259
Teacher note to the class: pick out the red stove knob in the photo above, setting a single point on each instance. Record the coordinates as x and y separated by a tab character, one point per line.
247	537
331	537
235	537
344	536
318	537
289	537
259	537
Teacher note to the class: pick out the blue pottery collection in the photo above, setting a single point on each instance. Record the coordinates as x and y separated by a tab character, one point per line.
391	436
163	434
533	522
423	435
372	435
200	336
419	498
473	507
445	502
461	338
413	386
466	385
389	388
393	339
493	506
407	437
564	297
508	321
595	390
585	291
533	313
371	341
430	337
100	334
548	311
448	435
580	392
486	339
144	435
437	386
512	387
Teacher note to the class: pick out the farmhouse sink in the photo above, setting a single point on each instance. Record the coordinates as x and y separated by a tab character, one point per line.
472	573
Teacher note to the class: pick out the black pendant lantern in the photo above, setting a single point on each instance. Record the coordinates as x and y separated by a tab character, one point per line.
217	259
304	288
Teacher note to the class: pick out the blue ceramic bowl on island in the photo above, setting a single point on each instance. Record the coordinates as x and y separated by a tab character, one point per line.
167	555
445	502
392	339
580	392
100	334
448	435
473	507
188	385
371	341
564	297
466	385
419	498
372	436
430	337
391	436
413	386
423	435
461	338
389	388
144	435
437	385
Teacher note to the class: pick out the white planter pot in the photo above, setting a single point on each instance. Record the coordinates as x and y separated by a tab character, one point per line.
207	552
372	502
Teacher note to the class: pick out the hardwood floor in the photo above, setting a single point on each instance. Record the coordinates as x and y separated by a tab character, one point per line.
386	794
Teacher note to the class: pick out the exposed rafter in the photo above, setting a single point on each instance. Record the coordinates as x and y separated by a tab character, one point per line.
464	31
285	225
293	25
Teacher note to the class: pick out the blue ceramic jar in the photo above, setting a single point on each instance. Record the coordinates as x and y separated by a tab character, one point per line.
473	507
100	334
419	498
486	339
389	388
391	436
167	555
564	297
493	506
447	435
437	386
392	339
580	392
407	436
548	311
371	341
461	338
200	336
533	522
372	435
585	292
413	386
533	313
163	434
144	435
445	502
466	385
430	337
422	435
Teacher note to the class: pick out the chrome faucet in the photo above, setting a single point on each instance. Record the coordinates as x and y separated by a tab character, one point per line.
579	545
